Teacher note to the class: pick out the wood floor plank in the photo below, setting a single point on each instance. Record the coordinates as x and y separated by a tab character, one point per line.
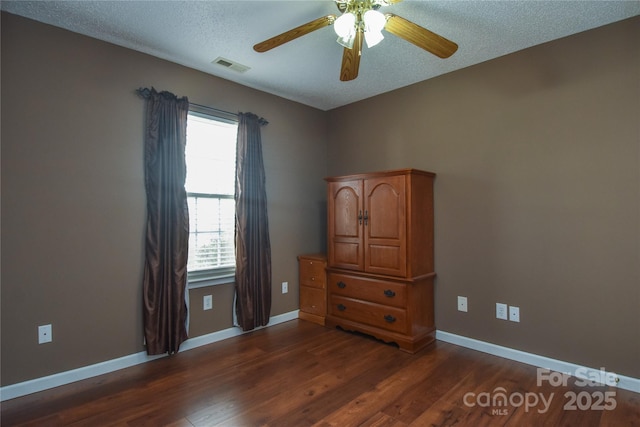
381	419
334	398
627	408
298	393
302	374
450	409
259	385
390	388
412	403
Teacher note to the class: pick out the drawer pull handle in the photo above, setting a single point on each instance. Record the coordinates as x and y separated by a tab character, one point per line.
342	285
389	318
389	293
341	307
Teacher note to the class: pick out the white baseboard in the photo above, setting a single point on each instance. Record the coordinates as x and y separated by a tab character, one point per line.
234	332
583	372
62	378
67	377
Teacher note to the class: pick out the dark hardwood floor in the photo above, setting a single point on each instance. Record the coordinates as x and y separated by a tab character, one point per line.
301	374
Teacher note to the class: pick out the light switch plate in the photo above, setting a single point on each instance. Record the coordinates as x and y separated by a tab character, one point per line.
501	311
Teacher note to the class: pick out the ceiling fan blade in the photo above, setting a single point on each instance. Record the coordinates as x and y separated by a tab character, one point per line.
293	34
351	59
419	36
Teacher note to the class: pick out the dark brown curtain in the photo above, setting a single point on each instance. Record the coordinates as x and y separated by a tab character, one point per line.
167	238
253	249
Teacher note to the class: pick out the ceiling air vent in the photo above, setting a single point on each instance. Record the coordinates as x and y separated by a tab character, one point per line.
227	63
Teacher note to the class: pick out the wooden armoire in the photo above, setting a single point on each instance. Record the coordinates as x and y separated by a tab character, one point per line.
380	269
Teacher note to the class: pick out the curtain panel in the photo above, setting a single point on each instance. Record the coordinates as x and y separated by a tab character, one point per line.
253	248
167	231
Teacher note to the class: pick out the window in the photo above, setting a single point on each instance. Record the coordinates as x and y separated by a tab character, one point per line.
211	164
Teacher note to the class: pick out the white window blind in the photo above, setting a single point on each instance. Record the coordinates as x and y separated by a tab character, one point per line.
210	157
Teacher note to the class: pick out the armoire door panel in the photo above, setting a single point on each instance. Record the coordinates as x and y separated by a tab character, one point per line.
385	257
347	255
345	225
385	231
385	212
348	206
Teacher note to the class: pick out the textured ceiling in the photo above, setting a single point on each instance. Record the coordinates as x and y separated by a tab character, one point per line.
194	33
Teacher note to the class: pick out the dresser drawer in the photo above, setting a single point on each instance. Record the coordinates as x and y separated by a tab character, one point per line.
373	290
312	273
381	316
313	300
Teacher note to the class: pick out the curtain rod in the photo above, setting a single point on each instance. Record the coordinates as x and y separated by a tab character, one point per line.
217	110
261	120
145	92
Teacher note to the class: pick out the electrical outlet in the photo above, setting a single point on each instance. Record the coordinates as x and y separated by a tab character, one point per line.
501	311
44	334
207	302
285	287
462	304
514	313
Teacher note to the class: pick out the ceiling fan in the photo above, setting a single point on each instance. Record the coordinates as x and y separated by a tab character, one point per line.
360	20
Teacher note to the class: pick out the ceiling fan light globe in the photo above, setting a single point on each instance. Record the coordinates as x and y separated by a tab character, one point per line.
345	24
373	38
348	40
374	21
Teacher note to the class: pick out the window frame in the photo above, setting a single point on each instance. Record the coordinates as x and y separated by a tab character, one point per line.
221	275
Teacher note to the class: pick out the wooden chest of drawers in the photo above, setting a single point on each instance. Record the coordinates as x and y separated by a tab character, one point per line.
393	310
313	288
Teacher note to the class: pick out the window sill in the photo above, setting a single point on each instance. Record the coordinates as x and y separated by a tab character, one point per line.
225	280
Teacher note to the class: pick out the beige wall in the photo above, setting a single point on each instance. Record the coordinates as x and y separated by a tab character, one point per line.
537	194
73	202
